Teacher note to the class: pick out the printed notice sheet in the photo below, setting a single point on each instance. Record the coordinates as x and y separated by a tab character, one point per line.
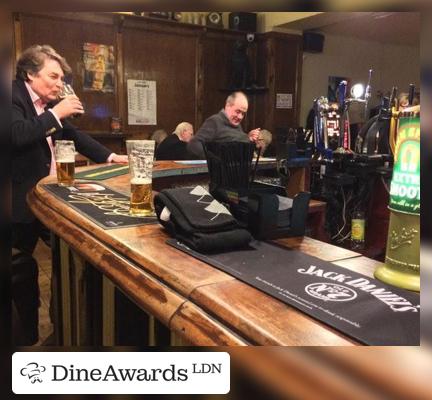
141	102
284	100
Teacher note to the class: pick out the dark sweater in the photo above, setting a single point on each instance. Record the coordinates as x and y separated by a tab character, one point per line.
216	128
172	148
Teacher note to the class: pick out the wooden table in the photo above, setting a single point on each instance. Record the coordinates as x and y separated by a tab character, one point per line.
199	304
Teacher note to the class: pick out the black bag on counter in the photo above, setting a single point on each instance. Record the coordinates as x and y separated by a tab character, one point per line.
195	218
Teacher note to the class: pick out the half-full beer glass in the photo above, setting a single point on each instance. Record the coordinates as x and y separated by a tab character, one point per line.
65	162
140	153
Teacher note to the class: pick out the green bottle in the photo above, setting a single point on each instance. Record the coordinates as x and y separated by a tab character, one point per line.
358	230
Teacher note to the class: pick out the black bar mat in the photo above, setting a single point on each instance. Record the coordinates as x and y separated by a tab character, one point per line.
105	207
363	308
102	173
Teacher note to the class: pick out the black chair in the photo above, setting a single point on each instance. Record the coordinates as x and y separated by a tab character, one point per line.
264	209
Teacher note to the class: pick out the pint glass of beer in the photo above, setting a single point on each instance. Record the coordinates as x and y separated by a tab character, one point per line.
65	162
67	90
141	153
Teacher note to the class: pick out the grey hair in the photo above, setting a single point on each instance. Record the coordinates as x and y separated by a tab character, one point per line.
233	96
265	136
33	58
182	126
158	136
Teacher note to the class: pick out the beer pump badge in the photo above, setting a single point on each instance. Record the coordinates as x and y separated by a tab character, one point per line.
405	184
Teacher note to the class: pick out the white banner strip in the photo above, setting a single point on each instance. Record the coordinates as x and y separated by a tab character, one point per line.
120	373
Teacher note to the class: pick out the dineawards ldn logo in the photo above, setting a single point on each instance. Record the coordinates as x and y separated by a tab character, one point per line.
120	373
33	371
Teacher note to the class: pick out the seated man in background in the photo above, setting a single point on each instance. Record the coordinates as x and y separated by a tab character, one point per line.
224	126
174	147
159	135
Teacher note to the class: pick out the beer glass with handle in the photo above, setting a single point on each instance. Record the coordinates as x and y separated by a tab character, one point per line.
64	152
140	154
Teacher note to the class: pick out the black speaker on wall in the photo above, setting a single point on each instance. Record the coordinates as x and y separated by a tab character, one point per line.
313	42
243	21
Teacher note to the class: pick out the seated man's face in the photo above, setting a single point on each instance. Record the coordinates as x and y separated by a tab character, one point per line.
187	135
236	111
48	82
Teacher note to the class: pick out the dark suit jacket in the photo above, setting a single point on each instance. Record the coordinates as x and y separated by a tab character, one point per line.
31	156
172	148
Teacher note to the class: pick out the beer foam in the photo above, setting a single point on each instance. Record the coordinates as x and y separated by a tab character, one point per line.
140	181
66	159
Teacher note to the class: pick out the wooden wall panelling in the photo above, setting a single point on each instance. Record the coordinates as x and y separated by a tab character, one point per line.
282	74
168	57
216	60
119	82
251	117
17	45
298	78
191	64
262	77
287	53
217	51
266	72
66	33
199	86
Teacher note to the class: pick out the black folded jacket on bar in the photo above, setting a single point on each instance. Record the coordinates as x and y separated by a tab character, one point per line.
195	218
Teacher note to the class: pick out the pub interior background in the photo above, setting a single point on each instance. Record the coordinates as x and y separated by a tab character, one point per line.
190	62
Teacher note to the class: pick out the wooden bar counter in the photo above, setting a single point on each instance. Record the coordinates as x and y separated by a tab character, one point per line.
197	303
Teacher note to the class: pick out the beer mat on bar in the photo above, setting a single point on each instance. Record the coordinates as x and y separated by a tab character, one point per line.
101	173
105	207
363	308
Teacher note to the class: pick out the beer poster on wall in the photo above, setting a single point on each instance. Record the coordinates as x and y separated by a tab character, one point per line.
98	67
141	102
405	184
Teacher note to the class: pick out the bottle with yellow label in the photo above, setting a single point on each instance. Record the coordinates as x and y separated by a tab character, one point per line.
358	230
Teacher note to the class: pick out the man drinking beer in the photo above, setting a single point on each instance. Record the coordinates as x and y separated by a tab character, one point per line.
38	120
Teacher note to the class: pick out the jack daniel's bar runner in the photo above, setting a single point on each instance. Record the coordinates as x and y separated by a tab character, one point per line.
394	301
364	308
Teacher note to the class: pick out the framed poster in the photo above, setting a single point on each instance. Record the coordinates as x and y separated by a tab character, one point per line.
98	67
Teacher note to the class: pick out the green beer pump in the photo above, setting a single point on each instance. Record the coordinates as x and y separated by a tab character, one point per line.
402	261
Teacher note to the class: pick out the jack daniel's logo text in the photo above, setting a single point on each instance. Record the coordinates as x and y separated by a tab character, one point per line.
394	301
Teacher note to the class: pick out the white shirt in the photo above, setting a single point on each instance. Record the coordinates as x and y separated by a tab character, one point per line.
39	106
